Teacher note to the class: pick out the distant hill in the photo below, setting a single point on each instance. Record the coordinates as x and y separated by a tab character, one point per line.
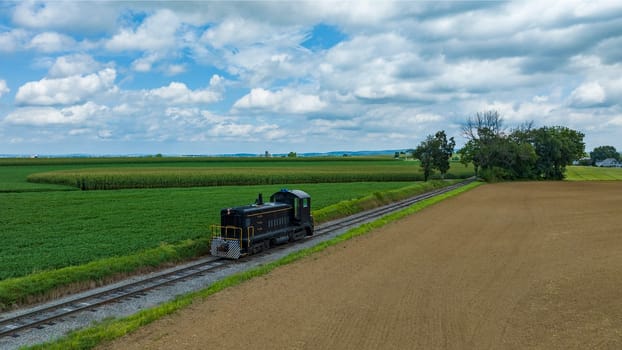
350	153
308	154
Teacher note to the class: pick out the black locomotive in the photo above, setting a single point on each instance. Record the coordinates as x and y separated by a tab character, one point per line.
252	228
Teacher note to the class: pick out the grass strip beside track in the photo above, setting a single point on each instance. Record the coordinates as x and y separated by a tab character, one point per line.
116	328
45	285
374	200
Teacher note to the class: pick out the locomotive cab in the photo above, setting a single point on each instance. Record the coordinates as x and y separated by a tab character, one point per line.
300	202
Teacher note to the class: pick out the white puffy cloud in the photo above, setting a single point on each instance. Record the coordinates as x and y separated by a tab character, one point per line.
378	67
79	131
588	95
87	16
238	32
175	69
126	109
65	66
51	42
261	65
145	63
354	14
616	121
156	32
285	101
67	90
390	67
255	50
483	75
515	113
402	123
216	81
43	116
378	127
177	92
157	37
12	40
250	132
3	88
200	125
395	72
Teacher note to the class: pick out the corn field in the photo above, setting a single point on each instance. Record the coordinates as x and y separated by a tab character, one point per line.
160	177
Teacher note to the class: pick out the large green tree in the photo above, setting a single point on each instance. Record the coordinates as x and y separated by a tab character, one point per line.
485	139
425	153
523	153
444	152
604	152
434	153
556	147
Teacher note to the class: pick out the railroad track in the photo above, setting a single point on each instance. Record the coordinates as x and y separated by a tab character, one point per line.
376	213
49	315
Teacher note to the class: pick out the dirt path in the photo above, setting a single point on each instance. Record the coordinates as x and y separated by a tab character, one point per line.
507	266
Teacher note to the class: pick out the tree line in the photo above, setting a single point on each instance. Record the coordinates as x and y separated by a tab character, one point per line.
501	154
601	153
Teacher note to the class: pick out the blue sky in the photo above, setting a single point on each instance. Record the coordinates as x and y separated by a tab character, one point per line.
124	77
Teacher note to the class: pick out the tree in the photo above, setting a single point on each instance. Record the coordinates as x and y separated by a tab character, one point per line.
434	153
603	152
444	152
555	148
425	153
469	153
483	125
483	132
524	153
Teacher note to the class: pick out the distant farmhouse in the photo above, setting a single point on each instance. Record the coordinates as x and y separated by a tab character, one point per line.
609	163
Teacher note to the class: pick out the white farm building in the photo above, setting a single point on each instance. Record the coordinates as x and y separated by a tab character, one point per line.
609	163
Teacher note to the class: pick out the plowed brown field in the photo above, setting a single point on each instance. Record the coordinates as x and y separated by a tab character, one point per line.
505	266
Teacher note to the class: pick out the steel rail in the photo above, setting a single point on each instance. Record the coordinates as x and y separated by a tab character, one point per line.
46	315
379	212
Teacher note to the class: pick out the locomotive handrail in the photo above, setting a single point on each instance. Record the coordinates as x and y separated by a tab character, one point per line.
249	231
227	236
217	232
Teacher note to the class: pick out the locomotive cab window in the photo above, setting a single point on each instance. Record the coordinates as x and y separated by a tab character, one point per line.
296	210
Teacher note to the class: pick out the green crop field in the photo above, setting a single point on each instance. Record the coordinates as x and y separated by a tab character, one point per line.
13	179
48	230
218	173
20	175
589	173
54	235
